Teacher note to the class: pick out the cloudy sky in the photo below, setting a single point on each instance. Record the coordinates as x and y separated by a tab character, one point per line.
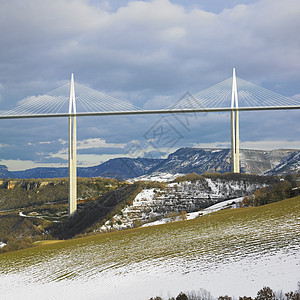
149	53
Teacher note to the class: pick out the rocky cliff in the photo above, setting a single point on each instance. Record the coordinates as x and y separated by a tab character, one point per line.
197	160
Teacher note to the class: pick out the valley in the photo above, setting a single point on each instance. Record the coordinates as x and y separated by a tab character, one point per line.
223	233
37	209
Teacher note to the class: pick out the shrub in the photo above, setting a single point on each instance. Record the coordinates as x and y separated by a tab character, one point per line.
266	195
224	298
182	296
137	223
183	215
189	177
172	215
266	293
292	296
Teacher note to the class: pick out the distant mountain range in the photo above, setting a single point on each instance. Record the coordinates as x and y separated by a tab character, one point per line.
184	160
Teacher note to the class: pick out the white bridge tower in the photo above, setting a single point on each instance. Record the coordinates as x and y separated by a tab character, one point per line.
235	135
72	151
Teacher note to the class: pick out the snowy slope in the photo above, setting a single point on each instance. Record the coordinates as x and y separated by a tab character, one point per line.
290	165
151	205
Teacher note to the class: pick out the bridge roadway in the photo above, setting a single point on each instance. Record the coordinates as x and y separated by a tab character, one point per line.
149	112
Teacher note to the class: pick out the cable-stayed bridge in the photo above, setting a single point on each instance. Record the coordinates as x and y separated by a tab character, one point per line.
91	102
75	100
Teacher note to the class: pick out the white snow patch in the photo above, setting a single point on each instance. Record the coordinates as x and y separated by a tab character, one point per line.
232	203
158	222
2	244
145	195
221	205
130	213
159	177
212	185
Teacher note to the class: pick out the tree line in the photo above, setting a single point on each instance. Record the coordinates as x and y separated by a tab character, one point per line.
266	293
274	193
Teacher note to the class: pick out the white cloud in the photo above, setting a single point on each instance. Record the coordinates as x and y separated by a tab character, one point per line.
19	165
174	34
46	143
158	101
35	103
296	97
270	145
97	143
255	145
1	88
63	142
88	160
150	44
212	145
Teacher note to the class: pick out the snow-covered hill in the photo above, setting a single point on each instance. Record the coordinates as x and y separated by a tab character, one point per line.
198	160
290	165
154	204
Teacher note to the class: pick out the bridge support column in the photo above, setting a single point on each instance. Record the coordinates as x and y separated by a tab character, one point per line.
235	135
235	144
72	151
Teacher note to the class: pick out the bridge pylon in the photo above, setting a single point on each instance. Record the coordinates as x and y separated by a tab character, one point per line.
235	135
72	152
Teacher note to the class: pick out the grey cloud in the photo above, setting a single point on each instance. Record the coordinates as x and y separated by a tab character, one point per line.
130	49
100	151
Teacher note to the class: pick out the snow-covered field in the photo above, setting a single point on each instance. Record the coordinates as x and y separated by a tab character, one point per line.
235	253
144	280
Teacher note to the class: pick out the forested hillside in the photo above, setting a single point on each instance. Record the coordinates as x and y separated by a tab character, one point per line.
27	192
28	207
94	212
